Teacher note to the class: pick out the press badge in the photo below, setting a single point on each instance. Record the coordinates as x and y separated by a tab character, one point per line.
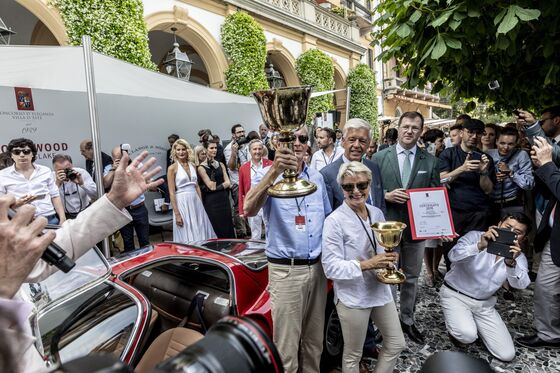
300	223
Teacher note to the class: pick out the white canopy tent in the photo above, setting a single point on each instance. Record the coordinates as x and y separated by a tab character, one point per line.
134	105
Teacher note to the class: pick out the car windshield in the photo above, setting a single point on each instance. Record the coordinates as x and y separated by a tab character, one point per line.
90	268
249	253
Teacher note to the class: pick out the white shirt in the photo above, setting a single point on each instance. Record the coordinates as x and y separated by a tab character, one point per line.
401	156
320	159
242	157
76	197
40	182
478	274
345	244
255	168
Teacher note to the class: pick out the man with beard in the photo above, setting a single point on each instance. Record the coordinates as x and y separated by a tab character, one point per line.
327	152
297	283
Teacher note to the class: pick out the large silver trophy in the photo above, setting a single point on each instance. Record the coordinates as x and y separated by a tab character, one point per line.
284	110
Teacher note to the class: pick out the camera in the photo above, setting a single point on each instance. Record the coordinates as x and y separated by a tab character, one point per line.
232	345
125	148
70	174
241	141
494	85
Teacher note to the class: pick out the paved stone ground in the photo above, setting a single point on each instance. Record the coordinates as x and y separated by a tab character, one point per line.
518	316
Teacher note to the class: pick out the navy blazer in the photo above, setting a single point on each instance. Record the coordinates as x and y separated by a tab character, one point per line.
550	175
334	191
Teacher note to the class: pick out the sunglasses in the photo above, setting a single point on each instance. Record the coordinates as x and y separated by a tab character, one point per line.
350	187
19	151
303	138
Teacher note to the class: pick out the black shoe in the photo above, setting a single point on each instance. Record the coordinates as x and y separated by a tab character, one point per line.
532	276
534	341
413	333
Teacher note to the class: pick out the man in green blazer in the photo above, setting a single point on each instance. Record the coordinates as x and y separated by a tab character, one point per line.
405	166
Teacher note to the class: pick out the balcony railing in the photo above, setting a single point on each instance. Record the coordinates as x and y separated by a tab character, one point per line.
291	6
393	86
332	22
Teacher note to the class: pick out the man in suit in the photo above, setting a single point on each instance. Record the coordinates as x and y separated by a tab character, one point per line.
356	136
406	166
547	240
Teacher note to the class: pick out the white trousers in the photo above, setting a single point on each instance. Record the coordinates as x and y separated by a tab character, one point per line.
256	223
466	318
354	324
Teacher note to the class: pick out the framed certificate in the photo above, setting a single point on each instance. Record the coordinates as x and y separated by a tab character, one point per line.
430	214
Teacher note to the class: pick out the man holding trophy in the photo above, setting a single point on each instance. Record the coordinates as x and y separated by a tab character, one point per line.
294	211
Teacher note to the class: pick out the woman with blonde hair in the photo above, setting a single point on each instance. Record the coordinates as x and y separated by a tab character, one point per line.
199	155
350	256
190	221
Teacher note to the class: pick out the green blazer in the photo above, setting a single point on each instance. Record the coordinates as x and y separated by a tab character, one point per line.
424	174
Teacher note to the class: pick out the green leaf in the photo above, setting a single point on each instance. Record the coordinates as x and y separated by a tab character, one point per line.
439	49
404	30
473	13
500	16
527	14
453	43
509	22
415	16
551	75
441	19
454	24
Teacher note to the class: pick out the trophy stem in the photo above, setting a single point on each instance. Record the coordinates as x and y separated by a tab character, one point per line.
286	139
390	275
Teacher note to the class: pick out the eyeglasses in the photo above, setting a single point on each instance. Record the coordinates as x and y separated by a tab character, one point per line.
19	151
350	187
409	128
303	138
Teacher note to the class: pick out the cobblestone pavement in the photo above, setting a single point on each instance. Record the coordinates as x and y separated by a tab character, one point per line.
518	316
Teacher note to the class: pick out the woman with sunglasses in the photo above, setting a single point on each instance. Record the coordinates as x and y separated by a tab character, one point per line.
31	183
350	256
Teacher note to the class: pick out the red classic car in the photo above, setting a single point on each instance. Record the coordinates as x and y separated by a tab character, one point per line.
121	306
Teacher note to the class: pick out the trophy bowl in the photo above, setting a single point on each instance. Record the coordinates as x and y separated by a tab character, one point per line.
284	110
389	234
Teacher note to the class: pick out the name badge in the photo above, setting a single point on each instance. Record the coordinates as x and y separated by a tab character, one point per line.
300	223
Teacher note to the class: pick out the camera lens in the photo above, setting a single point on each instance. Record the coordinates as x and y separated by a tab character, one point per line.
232	345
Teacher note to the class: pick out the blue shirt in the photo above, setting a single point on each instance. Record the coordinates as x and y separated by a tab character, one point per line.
521	175
283	239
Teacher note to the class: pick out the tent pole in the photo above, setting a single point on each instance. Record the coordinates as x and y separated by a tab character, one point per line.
92	105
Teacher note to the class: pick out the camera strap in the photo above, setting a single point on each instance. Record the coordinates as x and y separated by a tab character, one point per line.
197	304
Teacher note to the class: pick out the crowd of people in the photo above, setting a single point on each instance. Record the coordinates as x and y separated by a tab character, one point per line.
497	177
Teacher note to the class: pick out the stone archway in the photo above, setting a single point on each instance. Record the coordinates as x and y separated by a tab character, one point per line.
340	97
198	37
51	19
283	61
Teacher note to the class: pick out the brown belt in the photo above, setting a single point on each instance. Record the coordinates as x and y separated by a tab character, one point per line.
136	206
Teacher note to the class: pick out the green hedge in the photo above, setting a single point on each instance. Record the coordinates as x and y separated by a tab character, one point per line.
116	27
363	95
245	45
317	69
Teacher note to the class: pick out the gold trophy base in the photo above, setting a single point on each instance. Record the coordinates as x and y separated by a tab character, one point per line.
292	188
390	276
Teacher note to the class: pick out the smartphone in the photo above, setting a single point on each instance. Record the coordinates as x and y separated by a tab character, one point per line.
125	148
39	196
516	112
501	246
475	156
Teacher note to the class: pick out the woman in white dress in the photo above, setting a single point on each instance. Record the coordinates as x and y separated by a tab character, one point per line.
190	221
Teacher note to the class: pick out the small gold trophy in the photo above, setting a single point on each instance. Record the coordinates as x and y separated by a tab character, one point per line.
284	110
389	234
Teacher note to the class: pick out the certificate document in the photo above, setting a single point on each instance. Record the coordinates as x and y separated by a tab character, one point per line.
430	214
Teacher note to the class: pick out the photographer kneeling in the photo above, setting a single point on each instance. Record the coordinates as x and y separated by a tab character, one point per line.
477	273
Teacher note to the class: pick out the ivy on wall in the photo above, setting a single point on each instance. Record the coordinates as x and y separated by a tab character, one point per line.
116	27
363	95
315	68
245	45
